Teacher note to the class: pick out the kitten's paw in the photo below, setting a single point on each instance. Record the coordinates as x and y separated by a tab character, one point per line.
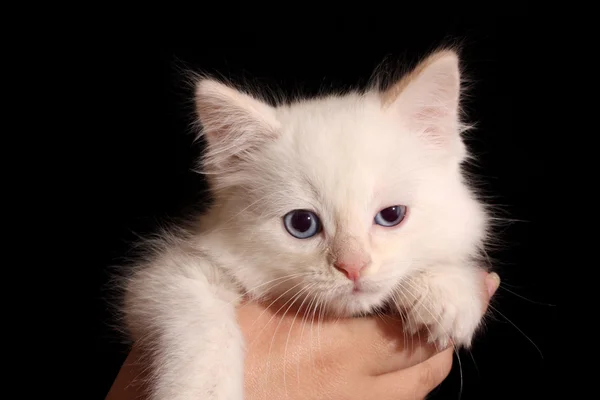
447	315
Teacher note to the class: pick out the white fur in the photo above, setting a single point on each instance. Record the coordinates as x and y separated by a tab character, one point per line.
345	157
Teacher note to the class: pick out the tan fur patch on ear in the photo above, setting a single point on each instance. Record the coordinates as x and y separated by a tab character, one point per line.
391	94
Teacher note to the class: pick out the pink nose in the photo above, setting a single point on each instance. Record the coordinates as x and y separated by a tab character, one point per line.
352	272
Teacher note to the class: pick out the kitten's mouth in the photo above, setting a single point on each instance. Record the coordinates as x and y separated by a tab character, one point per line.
360	287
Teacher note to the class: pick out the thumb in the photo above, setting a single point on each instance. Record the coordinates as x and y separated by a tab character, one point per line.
492	282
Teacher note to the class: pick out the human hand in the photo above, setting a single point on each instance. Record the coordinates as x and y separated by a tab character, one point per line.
293	357
362	358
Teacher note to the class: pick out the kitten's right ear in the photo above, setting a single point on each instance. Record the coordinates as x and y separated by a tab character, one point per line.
428	98
233	122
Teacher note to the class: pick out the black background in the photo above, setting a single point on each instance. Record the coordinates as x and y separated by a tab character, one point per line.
137	120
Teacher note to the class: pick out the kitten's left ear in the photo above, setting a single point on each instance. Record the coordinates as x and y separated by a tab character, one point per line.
428	98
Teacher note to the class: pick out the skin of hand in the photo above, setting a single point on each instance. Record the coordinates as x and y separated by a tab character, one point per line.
289	357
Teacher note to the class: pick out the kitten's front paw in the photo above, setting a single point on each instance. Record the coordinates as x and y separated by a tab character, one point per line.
449	313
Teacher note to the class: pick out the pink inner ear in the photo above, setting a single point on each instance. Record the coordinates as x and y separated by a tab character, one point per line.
432	120
433	114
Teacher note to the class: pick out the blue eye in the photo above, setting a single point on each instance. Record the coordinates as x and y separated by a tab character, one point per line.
390	216
302	224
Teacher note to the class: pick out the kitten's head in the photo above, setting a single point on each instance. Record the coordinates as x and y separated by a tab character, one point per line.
339	198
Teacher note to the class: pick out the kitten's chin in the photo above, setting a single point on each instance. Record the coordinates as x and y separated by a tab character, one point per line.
356	303
339	300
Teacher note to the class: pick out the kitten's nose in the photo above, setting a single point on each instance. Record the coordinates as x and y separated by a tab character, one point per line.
352	271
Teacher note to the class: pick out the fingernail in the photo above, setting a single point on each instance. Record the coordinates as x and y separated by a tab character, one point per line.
492	283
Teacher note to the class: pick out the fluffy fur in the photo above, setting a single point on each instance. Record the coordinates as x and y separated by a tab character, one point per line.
344	157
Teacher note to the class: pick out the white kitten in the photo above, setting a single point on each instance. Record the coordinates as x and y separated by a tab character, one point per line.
358	197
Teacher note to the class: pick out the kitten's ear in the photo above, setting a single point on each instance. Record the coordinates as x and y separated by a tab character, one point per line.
233	122
428	98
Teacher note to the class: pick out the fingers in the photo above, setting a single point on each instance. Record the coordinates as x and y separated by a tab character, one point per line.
415	382
392	349
416	351
412	355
